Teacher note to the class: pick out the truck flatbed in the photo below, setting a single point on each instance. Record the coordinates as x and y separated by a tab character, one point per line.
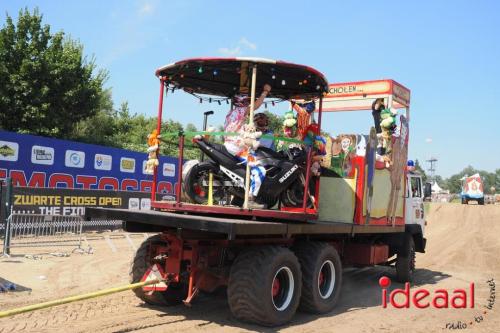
230	227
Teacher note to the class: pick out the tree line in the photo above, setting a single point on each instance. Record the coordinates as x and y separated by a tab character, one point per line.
491	180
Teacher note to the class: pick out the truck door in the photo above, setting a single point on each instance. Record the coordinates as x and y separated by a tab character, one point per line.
415	201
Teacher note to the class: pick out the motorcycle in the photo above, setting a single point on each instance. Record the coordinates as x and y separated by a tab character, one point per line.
284	181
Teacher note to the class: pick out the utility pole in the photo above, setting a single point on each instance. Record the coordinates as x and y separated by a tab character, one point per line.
432	168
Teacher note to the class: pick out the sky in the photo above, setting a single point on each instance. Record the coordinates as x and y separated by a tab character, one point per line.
446	52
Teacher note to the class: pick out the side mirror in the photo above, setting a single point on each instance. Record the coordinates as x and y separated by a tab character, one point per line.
427	190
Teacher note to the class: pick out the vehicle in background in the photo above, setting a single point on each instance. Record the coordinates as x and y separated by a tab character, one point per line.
472	189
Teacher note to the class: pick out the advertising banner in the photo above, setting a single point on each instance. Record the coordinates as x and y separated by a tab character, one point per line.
49	201
34	161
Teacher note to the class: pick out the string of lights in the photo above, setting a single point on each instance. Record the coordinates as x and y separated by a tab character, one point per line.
219	100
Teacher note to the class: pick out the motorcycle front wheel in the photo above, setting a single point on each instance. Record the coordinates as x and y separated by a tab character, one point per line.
196	184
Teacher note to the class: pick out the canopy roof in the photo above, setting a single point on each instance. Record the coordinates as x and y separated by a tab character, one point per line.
229	76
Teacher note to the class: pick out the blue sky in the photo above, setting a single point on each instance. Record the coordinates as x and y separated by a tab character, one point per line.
446	52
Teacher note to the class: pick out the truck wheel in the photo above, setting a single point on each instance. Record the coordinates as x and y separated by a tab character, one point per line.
175	293
405	260
480	201
264	286
321	276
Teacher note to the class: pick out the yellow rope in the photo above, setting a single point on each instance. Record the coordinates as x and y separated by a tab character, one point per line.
75	298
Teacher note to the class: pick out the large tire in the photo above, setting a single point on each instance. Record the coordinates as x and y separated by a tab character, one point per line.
265	285
175	293
480	201
196	177
321	276
405	260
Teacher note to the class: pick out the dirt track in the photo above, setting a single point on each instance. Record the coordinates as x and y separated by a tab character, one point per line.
463	247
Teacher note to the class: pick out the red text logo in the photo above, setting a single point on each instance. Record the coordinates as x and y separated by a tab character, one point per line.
423	298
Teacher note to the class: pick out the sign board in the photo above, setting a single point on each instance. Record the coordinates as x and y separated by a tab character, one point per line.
34	161
358	96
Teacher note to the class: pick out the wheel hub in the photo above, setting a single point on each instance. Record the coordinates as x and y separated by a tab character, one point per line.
282	288
326	279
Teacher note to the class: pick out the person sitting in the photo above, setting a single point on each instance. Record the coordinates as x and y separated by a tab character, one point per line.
261	121
236	145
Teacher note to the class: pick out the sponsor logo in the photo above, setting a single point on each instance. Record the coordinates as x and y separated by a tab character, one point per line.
42	155
8	151
74	159
168	169
289	173
144	168
133	203
102	162
146	203
422	298
127	165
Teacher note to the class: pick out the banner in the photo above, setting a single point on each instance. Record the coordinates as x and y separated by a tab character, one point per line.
34	161
49	201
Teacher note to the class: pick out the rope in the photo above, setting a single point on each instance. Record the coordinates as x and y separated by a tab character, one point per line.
104	292
266	136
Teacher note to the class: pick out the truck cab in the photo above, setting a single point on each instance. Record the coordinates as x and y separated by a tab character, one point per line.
416	192
472	189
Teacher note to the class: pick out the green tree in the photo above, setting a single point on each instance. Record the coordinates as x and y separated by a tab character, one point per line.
441	182
275	122
47	85
419	168
101	127
191	128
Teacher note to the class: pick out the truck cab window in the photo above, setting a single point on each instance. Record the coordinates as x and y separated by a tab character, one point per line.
416	189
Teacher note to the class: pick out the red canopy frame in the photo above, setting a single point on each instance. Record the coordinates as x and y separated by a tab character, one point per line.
223	77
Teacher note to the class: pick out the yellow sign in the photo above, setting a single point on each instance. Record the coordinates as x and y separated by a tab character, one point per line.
67	200
127	164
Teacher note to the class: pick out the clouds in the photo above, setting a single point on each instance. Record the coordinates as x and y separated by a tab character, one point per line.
243	45
246	43
146	9
428	140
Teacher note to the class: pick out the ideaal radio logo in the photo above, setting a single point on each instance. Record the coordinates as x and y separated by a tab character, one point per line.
439	299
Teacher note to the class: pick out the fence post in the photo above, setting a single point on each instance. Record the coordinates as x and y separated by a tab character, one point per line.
8	215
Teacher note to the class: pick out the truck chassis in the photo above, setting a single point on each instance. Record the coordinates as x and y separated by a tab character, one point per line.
269	267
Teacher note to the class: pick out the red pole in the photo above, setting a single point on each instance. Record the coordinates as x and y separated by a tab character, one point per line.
320	113
179	168
158	130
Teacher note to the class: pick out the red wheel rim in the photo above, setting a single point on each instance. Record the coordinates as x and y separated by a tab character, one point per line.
321	278
276	287
199	191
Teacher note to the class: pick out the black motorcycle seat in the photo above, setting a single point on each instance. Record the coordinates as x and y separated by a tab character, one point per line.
261	151
219	147
268	152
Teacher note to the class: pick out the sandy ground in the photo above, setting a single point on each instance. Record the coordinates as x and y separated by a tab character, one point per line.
463	247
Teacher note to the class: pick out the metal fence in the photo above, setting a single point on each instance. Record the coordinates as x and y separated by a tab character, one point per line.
53	233
100	225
